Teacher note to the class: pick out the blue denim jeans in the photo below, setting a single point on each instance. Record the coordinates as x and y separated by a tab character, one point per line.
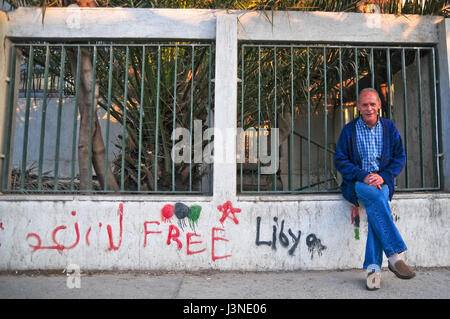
382	235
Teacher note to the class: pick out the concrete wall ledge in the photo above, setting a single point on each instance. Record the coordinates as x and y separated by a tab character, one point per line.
106	198
202	198
142	24
336	197
248	233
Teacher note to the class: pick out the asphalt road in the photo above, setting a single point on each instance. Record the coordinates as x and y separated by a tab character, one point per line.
348	284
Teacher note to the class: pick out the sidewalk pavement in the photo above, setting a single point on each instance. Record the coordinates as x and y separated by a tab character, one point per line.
429	283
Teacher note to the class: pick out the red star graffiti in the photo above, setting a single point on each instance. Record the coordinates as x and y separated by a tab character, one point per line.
228	209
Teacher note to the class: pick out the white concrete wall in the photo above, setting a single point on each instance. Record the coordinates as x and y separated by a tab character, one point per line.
127	23
32	229
126	232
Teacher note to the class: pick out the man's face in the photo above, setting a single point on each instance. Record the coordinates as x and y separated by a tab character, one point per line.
368	106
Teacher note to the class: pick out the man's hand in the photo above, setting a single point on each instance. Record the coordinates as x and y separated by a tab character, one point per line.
374	179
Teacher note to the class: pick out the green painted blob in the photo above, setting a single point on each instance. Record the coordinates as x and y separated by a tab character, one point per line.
195	213
357	233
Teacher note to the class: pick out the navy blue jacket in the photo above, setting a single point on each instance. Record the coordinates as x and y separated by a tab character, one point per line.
348	162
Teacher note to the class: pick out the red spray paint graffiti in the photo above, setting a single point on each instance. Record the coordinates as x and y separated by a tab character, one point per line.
214	239
146	231
57	245
193	241
111	244
87	236
228	209
167	213
2	228
174	233
60	247
189	243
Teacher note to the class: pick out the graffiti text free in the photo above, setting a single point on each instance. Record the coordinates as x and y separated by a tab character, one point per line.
192	241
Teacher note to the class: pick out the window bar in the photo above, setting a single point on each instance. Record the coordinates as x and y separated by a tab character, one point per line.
75	118
341	107
372	67
108	112
309	118
191	117
275	149
301	163
419	80
141	111
291	157
58	123
12	81
355	109
174	111
325	116
242	142
43	117
436	131
124	120
258	131
318	168
91	116
158	84
390	93
209	107
289	166
27	118
405	118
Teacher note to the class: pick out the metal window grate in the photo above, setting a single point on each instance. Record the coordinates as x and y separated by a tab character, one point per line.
308	93
143	92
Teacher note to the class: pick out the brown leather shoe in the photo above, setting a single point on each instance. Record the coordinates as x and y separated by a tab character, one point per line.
401	270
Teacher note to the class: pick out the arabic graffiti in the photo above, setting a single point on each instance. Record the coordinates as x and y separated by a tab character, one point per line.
60	247
111	244
57	245
193	242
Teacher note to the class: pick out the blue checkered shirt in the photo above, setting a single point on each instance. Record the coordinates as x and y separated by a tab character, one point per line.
370	144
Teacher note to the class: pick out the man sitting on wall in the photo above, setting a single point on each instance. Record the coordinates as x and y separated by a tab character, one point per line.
369	155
